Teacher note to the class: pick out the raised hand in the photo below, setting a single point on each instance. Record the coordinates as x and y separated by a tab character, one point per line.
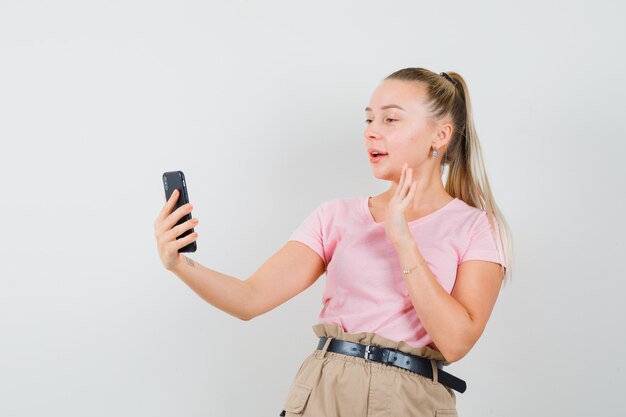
165	232
396	226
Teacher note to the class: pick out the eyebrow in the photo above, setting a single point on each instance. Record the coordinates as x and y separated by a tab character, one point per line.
388	106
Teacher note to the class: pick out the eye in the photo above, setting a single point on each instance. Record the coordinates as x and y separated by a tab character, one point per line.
368	121
393	120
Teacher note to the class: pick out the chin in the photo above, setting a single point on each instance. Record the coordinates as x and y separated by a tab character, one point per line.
382	175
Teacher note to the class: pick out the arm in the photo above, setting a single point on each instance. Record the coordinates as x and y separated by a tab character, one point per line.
454	321
291	270
223	291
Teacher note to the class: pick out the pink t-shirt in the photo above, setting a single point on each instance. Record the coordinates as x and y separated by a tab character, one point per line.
365	290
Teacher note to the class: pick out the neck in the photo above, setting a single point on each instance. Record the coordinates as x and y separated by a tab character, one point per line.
429	194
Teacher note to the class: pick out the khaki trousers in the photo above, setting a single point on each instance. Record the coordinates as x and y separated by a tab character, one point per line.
330	384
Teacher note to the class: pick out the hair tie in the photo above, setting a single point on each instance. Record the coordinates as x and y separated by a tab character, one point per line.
448	77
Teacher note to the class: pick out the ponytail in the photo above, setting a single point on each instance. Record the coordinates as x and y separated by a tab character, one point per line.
467	176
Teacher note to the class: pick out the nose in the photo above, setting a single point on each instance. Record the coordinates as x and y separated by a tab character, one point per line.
371	132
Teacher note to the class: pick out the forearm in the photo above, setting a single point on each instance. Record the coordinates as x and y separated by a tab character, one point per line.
446	321
225	292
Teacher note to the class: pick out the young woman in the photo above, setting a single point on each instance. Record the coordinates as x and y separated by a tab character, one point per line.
412	274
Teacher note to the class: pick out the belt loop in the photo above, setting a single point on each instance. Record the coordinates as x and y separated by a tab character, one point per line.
433	364
325	347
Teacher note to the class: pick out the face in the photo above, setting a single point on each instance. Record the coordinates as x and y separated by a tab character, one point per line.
398	123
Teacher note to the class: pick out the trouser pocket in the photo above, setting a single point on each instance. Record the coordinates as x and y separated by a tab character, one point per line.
297	398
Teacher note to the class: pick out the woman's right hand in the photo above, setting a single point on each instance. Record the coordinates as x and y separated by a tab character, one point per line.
165	232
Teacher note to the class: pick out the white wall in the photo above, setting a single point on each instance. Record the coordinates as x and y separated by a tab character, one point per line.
261	105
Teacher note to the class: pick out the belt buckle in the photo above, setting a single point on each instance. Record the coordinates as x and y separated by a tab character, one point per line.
367	352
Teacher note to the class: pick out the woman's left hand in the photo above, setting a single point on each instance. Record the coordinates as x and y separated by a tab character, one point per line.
396	225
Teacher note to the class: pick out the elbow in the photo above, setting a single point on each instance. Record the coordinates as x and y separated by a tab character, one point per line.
458	349
453	355
247	314
245	317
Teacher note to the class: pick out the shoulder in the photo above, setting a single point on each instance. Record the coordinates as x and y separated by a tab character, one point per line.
342	209
341	203
465	221
467	214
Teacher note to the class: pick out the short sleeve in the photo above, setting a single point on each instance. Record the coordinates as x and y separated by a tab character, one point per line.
310	232
482	245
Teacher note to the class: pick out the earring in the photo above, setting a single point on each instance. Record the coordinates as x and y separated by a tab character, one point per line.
435	152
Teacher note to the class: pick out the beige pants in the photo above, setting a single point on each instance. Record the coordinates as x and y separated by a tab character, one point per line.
330	384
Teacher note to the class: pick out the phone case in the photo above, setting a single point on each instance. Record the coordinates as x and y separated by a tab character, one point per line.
176	180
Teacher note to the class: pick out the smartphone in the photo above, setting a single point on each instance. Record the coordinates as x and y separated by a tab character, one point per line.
173	180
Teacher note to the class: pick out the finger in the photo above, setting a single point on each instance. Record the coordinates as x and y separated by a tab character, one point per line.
406	183
412	193
404	165
183	241
173	198
181	228
171	220
167	208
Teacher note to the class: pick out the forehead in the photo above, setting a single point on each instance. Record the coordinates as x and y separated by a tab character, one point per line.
410	95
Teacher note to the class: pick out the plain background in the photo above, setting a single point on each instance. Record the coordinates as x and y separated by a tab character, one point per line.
261	105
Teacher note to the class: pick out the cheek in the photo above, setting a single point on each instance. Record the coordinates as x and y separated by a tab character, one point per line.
413	151
420	141
408	141
409	135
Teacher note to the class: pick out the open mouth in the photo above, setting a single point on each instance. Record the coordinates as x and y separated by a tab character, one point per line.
377	156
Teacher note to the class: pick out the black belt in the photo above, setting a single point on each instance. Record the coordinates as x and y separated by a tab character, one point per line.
417	364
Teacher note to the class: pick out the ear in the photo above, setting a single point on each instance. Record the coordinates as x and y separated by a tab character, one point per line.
443	135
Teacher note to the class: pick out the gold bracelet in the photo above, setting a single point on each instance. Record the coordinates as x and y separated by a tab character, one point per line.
407	271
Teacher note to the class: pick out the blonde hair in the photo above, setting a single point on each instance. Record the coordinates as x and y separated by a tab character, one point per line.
467	176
